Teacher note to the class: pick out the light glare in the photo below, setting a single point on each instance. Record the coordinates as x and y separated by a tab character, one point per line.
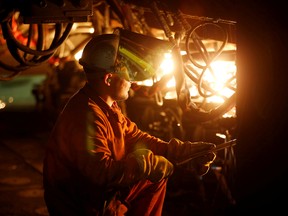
167	65
78	55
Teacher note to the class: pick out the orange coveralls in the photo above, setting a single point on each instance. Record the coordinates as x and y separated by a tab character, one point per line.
86	162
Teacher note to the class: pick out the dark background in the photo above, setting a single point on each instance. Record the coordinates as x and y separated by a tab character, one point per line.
261	106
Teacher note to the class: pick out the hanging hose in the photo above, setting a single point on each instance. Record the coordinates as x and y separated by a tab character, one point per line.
21	52
183	94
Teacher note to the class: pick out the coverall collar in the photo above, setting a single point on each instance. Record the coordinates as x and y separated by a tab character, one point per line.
114	110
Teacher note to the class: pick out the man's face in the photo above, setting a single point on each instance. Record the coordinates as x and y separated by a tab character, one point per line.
119	87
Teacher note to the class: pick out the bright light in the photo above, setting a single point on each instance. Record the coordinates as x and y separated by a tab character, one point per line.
171	83
230	113
221	79
78	55
170	95
147	82
223	136
219	82
167	65
194	91
2	104
183	53
91	30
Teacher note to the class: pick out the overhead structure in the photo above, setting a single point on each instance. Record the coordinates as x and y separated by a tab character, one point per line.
37	32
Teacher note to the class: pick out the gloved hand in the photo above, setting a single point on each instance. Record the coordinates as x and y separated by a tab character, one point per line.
187	154
153	167
200	165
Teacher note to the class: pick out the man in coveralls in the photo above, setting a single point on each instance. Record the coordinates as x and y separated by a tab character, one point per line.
98	162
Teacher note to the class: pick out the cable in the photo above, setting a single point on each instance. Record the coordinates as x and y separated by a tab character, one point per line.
24	54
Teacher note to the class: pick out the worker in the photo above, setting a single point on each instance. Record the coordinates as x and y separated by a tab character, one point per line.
98	162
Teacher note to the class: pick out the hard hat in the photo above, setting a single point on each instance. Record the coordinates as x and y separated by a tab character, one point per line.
100	52
121	55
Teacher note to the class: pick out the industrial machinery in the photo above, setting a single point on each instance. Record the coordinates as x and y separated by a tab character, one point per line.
193	100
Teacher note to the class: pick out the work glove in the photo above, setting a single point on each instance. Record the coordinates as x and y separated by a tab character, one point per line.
200	165
196	156
153	167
